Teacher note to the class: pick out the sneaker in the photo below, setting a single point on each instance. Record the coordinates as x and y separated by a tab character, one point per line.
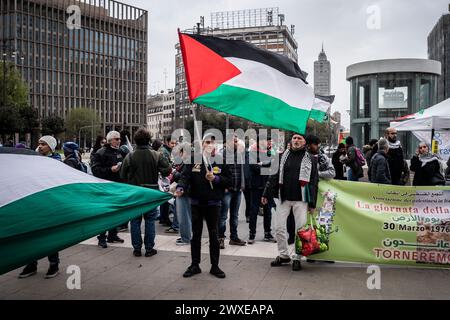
237	242
102	244
269	238
215	271
279	261
116	239
150	253
137	253
222	243
52	272
180	242
296	265
191	271
171	230
251	239
28	271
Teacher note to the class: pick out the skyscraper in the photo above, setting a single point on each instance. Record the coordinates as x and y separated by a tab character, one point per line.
101	64
439	50
264	28
322	75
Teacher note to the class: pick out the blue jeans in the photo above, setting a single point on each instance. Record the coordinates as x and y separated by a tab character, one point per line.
184	215
351	176
149	237
232	201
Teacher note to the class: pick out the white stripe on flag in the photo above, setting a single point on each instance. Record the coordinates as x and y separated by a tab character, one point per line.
262	78
23	175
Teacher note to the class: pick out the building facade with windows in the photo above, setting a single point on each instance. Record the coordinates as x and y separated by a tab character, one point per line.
101	65
322	75
439	49
384	90
160	114
262	27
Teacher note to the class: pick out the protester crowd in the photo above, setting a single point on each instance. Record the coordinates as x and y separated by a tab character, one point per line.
212	189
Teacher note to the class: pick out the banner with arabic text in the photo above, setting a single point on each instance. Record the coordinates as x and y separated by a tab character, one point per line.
385	224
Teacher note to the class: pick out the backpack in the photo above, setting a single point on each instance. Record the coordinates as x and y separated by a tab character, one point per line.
83	167
359	158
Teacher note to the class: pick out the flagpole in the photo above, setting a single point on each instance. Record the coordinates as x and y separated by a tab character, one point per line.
197	130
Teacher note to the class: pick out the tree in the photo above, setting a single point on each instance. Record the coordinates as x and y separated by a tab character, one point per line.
16	115
52	125
81	123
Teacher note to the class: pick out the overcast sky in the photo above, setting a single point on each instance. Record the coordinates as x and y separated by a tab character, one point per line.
341	25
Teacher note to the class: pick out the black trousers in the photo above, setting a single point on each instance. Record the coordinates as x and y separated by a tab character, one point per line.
248	202
256	195
111	235
211	214
53	259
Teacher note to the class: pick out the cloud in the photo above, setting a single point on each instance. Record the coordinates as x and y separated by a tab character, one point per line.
341	25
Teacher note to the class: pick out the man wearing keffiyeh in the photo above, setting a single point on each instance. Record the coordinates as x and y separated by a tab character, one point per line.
296	187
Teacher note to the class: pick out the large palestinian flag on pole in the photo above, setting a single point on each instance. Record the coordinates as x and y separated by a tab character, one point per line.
46	206
237	78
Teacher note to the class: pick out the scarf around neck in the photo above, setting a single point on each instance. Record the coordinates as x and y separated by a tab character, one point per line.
428	157
394	145
305	167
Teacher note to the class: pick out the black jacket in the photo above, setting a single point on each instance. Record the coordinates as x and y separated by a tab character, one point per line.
291	185
193	178
447	171
423	176
395	160
338	166
379	169
257	180
141	167
103	160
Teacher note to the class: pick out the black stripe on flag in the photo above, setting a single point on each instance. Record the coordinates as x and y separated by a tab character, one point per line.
248	51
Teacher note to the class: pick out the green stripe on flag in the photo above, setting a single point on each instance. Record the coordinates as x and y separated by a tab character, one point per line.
256	107
318	115
57	218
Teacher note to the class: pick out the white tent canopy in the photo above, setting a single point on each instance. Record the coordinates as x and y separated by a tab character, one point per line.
436	117
424	124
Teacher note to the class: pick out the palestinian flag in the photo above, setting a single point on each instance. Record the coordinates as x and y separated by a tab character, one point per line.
46	206
237	78
320	110
411	116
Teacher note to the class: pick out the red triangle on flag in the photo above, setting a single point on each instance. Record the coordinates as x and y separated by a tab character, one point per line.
205	69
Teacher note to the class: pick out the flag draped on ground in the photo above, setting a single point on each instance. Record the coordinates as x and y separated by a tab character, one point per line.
46	206
237	78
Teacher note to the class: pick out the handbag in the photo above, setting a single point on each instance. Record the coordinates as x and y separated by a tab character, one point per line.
311	239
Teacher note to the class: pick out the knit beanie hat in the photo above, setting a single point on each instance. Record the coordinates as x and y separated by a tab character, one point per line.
50	141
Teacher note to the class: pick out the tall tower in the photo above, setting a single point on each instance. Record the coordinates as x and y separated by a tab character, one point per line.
322	75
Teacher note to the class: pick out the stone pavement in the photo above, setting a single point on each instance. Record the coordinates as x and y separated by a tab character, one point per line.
113	273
